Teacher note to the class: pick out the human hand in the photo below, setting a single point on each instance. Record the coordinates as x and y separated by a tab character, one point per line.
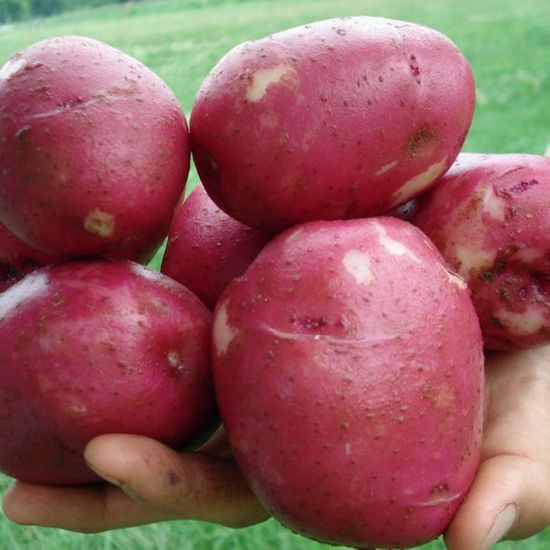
513	479
149	482
510	496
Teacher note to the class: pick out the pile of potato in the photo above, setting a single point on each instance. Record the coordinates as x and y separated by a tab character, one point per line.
328	292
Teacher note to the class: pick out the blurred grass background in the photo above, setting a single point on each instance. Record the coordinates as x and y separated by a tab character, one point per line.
508	45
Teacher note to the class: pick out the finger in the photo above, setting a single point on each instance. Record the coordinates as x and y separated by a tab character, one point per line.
151	483
508	500
84	509
217	444
191	485
510	497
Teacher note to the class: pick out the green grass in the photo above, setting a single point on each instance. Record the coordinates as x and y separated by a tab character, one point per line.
508	45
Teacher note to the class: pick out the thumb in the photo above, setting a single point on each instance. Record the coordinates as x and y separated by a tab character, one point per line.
507	500
181	486
509	497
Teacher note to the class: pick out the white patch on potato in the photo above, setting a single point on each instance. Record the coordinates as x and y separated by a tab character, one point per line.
147	273
100	223
445	397
528	255
174	359
395	247
386	168
417	184
263	78
269	120
456	280
12	67
547	152
26	289
494	205
339	341
62	110
294	235
77	409
223	332
522	324
473	258
441	500
358	265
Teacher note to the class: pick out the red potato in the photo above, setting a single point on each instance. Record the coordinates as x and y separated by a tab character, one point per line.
94	150
337	119
95	347
489	217
206	248
348	368
17	259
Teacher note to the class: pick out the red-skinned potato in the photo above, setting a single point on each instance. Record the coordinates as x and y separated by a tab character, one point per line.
337	119
489	217
348	369
17	258
94	150
95	347
206	248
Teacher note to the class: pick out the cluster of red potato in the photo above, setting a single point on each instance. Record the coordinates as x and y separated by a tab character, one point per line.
344	353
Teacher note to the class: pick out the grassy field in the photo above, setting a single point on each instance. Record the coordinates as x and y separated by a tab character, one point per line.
508	45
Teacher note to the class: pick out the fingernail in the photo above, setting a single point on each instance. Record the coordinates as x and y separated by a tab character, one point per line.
112	480
501	526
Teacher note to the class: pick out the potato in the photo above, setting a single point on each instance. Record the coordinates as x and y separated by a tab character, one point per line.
17	258
206	248
337	119
94	150
95	347
348	368
489	217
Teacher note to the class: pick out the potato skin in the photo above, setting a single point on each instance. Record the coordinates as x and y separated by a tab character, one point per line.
97	347
94	150
17	258
489	217
348	368
206	248
341	118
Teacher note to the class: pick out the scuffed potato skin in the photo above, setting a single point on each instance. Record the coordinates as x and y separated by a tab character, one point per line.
206	248
94	150
95	347
489	217
337	119
348	368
